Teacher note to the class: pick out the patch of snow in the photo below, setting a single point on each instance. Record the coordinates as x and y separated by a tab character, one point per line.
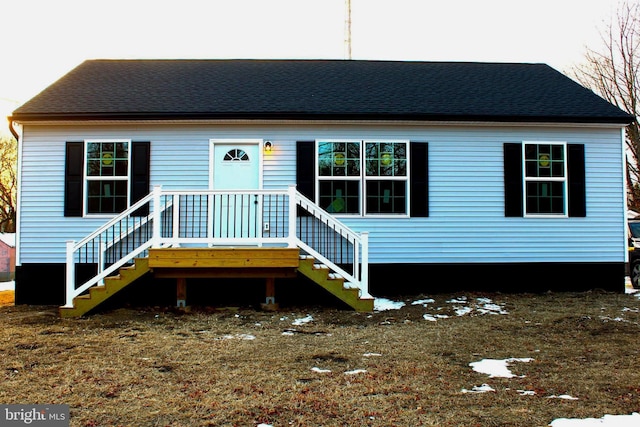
302	320
632	420
526	392
461	311
355	372
614	319
490	308
482	305
484	388
8	286
497	367
423	302
383	304
433	318
239	336
320	370
372	355
562	396
628	286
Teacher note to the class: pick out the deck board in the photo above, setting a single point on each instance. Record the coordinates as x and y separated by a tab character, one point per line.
224	257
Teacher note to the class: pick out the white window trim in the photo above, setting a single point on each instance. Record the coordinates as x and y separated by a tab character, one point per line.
363	178
86	178
564	180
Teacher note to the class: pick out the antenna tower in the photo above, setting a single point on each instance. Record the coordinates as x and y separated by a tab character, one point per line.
347	29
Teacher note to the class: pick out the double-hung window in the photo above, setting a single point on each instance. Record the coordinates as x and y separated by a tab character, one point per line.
363	177
105	177
545	178
107	171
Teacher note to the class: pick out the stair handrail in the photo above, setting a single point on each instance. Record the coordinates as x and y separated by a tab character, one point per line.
140	203
360	276
72	247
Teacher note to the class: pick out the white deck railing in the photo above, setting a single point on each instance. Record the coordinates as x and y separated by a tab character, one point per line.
207	218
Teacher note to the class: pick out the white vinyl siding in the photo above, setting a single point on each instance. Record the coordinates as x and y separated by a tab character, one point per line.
466	222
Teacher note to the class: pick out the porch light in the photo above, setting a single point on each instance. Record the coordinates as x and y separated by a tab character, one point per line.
267	146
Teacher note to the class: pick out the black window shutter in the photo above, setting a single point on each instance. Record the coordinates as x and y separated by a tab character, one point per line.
73	176
513	180
305	169
577	181
140	177
419	179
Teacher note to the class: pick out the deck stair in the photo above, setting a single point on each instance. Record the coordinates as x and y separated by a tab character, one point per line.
184	234
335	284
82	304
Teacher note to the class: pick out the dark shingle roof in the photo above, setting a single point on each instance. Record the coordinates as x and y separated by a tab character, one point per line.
319	90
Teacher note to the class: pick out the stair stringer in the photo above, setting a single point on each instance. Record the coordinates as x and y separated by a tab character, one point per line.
112	284
335	284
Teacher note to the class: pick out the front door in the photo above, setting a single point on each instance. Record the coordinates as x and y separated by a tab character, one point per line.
236	165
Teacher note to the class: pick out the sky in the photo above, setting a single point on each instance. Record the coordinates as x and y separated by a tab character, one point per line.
44	39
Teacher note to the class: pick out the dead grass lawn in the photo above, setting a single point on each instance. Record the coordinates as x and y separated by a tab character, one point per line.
159	367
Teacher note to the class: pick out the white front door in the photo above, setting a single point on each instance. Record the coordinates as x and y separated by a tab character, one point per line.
236	165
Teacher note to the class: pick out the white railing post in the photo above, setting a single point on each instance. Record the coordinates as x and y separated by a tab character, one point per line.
175	226
364	275
71	277
293	209
101	257
210	218
157	211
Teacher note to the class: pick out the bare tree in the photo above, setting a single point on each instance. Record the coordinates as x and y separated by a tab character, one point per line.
8	184
612	72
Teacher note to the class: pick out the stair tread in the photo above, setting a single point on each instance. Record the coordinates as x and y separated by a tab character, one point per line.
112	284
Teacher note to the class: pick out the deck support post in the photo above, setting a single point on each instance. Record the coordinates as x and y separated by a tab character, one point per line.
181	287
270	300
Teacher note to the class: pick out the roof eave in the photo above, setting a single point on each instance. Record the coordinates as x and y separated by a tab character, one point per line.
77	117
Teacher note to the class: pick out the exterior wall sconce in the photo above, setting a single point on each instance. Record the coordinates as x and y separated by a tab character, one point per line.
268	146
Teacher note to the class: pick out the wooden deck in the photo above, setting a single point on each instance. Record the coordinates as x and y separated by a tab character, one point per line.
268	263
324	250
